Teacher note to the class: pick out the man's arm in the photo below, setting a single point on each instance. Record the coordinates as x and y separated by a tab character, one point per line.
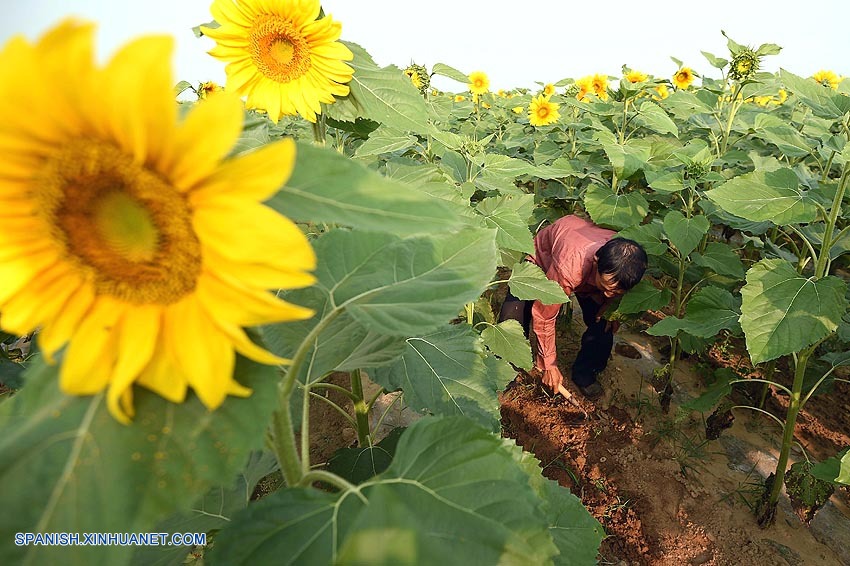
543	319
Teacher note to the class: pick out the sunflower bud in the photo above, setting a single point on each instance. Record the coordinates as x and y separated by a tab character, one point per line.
744	65
419	76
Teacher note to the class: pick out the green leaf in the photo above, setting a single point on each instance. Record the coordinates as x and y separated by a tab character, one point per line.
776	131
528	282
182	86
651	115
507	340
784	312
721	259
210	513
685	233
450	72
835	469
648	236
628	158
497	165
329	187
768	49
453	494
559	169
444	373
665	181
643	297
76	469
765	195
614	210
385	140
708	312
511	231
360	464
385	95
716	62
823	101
720	389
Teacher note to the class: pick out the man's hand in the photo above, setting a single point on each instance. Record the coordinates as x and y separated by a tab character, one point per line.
552	378
610	325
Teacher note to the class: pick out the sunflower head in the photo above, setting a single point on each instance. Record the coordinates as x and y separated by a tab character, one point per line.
207	88
683	78
827	78
548	90
634	76
459	98
661	92
419	76
128	238
281	55
584	86
542	112
478	82
744	65
599	83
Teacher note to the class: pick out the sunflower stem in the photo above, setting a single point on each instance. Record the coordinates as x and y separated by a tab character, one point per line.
285	446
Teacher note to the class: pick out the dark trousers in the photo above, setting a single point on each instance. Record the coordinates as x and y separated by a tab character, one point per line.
596	343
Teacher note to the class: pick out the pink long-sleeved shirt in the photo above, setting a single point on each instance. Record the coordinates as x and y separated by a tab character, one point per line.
565	252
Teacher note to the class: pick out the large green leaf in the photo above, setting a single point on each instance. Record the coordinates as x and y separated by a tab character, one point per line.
506	167
454	493
835	469
386	95
511	230
648	236
385	140
444	373
360	464
783	311
627	158
450	72
374	290
765	195
75	469
615	210
211	512
643	297
507	340
651	116
823	101
721	259
709	311
528	282
685	233
329	187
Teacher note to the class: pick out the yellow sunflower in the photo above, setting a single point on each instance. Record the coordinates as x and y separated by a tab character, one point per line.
459	98
683	78
125	234
541	112
548	90
280	56
661	92
585	87
207	88
600	86
518	109
634	76
827	78
478	82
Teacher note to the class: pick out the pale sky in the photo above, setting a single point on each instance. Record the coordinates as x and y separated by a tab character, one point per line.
515	43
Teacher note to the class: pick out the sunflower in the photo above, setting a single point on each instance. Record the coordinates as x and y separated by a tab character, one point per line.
518	109
661	92
419	77
585	87
280	56
548	90
683	78
207	88
125	234
541	112
478	82
459	98
635	76
827	78
599	83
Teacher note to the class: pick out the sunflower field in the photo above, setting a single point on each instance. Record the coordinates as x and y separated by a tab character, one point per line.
191	274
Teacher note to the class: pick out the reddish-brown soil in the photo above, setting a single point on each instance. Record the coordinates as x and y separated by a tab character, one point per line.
664	494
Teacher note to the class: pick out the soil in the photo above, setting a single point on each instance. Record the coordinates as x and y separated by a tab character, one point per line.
664	494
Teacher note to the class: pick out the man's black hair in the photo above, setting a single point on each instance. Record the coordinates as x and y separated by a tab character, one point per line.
624	259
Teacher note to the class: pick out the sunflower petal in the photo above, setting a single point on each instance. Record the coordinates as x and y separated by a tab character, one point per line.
136	342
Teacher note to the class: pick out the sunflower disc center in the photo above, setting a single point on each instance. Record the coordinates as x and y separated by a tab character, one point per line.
126	229
279	50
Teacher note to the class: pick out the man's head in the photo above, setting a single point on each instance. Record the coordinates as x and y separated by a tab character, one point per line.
620	264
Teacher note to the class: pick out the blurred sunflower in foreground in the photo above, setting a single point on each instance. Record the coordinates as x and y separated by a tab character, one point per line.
124	234
280	56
